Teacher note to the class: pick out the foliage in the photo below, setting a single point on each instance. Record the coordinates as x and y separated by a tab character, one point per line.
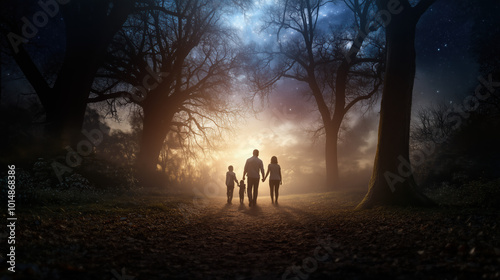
73	189
86	183
459	146
479	193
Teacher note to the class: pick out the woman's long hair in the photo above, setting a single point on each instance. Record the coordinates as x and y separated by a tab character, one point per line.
274	159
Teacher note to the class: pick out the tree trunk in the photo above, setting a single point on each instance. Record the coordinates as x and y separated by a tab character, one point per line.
156	125
90	27
392	182
331	156
332	168
72	89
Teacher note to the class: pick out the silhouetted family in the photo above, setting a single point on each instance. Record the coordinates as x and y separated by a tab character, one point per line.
253	168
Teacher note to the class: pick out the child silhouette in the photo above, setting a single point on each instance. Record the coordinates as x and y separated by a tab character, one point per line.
242	191
230	179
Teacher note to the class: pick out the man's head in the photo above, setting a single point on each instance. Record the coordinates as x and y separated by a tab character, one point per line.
230	168
256	152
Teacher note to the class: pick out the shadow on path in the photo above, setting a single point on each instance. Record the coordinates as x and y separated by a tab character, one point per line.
255	211
242	207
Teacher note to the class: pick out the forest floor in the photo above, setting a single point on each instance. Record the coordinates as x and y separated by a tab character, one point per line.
313	236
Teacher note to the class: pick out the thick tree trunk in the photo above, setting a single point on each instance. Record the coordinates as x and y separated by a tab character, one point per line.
90	27
392	182
331	156
156	125
72	89
332	168
63	119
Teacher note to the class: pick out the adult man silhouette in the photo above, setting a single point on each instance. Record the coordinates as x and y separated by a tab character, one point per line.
252	167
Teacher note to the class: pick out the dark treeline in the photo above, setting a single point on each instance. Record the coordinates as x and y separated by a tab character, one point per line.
455	145
169	63
173	66
465	133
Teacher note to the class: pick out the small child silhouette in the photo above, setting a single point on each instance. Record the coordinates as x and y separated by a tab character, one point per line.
242	191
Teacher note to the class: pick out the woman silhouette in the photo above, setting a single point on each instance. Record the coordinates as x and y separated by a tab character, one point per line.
275	180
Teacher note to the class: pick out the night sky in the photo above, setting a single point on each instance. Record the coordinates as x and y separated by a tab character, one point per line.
447	72
446	68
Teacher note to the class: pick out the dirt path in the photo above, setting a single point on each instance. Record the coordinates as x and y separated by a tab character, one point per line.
235	241
314	236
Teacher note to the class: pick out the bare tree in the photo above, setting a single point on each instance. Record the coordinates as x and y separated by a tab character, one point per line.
433	124
392	181
89	27
342	69
182	62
